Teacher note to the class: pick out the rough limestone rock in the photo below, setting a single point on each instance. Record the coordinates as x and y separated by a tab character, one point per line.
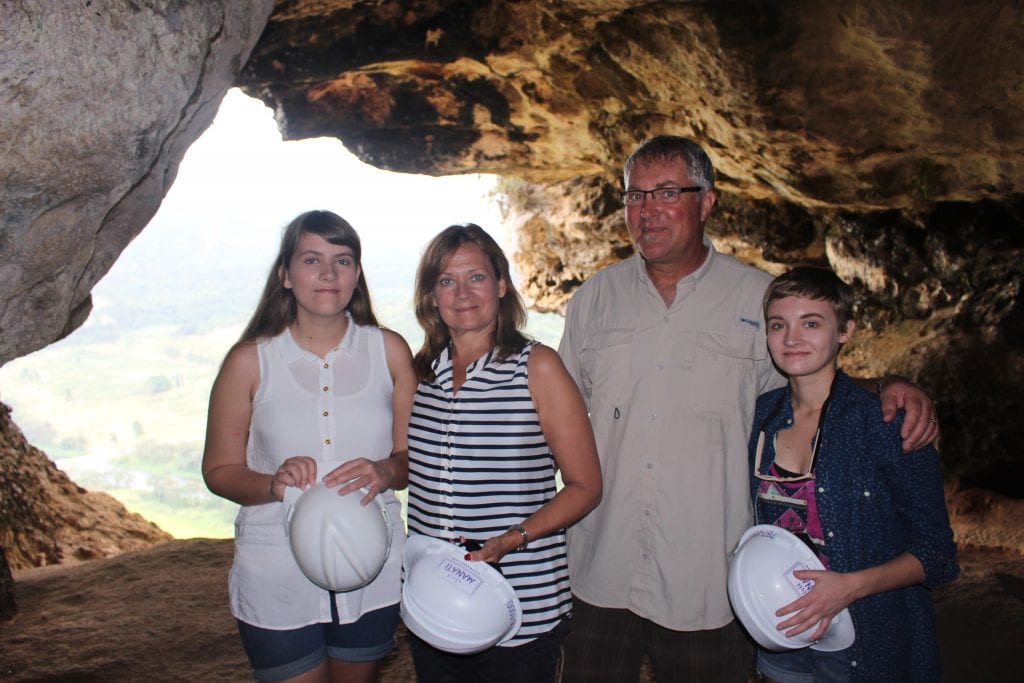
99	103
8	593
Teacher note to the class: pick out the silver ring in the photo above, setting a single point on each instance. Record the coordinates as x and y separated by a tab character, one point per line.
932	420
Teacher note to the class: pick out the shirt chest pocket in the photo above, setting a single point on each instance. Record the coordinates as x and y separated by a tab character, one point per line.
605	364
853	490
722	369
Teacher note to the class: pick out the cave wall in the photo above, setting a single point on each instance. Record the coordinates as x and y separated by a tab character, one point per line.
882	138
45	518
100	101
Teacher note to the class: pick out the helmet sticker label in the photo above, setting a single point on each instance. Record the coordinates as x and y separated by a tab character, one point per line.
801	586
459	574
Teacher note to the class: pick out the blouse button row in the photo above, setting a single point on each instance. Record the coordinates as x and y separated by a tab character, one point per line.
327	442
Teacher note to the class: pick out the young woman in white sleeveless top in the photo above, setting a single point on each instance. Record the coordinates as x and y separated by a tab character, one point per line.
314	389
496	416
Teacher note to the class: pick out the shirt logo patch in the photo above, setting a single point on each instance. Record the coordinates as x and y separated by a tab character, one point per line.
747	322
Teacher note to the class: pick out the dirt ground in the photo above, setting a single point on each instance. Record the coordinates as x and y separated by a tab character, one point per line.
161	615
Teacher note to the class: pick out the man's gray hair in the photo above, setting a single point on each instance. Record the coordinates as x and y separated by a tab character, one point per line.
670	147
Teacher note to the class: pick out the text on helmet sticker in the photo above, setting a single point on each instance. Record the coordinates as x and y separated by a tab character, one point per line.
459	574
801	586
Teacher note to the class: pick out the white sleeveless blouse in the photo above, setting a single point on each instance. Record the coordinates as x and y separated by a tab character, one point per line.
332	409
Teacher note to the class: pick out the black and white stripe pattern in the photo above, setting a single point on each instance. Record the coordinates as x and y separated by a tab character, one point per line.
478	463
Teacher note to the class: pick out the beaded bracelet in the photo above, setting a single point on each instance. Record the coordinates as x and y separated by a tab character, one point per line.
522	532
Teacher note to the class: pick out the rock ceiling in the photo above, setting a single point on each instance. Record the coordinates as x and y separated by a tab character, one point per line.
883	138
810	110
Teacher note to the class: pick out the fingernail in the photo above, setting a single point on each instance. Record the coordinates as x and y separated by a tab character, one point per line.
468	556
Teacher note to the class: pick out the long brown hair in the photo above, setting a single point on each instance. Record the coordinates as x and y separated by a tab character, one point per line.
276	309
508	339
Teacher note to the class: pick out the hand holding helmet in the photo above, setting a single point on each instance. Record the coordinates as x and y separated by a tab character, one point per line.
495	547
360	473
298	471
832	593
767	570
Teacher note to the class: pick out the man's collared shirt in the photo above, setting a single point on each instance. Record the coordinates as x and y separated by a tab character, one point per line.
671	394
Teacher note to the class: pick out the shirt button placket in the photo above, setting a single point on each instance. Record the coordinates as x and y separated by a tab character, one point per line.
448	487
652	438
325	408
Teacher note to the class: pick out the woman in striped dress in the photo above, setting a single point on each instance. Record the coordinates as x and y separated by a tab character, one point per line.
496	416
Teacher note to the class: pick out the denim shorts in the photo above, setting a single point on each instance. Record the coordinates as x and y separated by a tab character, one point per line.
280	655
804	666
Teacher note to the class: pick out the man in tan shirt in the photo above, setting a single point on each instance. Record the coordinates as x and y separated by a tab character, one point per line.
668	348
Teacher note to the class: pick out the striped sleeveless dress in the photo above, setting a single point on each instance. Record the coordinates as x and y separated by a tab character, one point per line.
478	463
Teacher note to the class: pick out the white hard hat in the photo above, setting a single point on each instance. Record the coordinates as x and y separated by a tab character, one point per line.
338	544
457	606
761	581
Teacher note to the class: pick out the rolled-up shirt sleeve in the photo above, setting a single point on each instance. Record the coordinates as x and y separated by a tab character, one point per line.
918	496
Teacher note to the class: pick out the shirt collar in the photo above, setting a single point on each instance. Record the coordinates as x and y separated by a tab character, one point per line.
293	352
689	282
782	411
443	367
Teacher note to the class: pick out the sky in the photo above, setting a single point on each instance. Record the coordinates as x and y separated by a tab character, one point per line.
240	184
241	171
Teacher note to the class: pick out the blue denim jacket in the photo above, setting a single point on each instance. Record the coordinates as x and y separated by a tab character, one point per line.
875	502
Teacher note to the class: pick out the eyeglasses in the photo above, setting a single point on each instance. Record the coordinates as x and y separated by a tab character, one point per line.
662	195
